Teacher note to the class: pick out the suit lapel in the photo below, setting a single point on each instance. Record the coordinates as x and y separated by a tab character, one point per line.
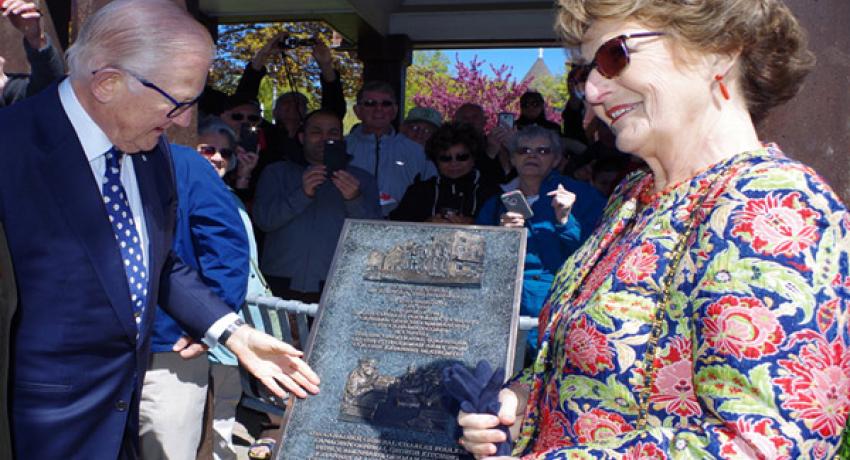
75	192
147	168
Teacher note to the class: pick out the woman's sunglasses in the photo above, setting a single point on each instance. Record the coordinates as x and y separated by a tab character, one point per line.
236	116
459	158
208	151
611	58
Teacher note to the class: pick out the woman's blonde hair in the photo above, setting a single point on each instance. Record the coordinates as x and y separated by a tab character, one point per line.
774	51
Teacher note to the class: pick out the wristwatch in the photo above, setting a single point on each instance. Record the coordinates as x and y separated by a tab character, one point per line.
231	328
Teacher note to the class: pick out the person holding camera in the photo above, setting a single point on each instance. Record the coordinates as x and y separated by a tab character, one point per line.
456	194
559	213
46	64
242	114
290	108
492	158
302	205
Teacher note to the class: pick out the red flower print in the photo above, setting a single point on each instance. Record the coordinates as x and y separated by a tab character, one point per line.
644	451
639	263
554	427
685	212
598	425
742	327
777	224
755	440
587	348
674	388
820	450
826	314
599	274
816	383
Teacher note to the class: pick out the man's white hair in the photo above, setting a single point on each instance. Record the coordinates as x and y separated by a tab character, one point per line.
140	36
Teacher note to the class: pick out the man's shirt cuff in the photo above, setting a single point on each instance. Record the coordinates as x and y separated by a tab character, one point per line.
217	328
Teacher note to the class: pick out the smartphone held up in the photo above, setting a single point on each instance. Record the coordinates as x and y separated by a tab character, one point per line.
335	157
515	201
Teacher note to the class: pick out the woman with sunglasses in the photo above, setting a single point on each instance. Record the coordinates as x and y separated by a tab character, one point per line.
707	317
456	194
565	212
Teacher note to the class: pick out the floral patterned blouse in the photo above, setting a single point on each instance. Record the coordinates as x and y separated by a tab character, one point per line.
750	356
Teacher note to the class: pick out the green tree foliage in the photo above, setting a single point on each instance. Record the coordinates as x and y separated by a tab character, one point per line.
554	93
426	66
430	84
238	43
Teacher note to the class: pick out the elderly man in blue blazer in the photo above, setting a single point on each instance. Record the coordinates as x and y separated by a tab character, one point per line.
88	203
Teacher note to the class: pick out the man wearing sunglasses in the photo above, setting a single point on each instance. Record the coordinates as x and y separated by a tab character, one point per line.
87	199
532	111
376	147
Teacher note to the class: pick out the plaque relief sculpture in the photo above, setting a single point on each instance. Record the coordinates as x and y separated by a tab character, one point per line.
455	258
410	401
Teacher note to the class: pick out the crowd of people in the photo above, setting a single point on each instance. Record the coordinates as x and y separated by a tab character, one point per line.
692	293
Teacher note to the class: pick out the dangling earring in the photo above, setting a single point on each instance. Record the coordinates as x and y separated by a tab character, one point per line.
723	90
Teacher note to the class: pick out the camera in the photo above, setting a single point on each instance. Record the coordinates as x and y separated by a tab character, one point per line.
291	42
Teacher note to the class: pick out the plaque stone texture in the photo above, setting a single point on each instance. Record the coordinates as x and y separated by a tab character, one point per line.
403	301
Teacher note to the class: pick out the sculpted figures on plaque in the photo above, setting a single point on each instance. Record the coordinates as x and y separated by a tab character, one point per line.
410	401
455	258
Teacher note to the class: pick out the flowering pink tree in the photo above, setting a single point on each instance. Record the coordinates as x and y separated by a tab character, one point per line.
499	93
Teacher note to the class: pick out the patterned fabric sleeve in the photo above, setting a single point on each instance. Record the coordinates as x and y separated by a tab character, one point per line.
754	362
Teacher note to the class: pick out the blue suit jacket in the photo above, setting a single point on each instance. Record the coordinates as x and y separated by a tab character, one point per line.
77	362
209	236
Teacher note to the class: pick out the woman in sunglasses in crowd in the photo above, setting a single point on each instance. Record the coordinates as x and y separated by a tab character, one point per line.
707	317
553	234
456	194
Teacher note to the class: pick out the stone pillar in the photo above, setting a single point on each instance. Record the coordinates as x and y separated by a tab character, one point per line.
814	127
386	58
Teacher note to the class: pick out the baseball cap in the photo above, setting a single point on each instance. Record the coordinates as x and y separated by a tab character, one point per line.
425	114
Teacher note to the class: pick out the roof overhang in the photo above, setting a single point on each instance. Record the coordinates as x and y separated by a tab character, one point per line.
428	23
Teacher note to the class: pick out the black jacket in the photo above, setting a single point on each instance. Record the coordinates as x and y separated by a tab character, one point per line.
464	195
46	66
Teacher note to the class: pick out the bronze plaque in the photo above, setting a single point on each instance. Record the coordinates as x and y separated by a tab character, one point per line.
403	301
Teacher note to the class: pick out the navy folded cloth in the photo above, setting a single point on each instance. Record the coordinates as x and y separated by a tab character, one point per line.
477	393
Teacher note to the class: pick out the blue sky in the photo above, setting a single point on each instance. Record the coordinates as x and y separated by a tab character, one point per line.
521	59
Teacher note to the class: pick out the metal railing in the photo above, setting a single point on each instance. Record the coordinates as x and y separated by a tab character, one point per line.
526	323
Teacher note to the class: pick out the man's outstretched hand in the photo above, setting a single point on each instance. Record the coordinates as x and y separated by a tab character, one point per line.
277	364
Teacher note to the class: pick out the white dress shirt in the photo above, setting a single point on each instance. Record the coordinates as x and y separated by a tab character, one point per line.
96	145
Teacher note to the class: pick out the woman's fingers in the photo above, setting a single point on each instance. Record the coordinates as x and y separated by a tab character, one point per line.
508	410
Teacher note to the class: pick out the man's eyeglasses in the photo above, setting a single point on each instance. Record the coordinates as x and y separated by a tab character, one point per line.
373	103
179	107
236	116
531	104
611	58
537	150
458	158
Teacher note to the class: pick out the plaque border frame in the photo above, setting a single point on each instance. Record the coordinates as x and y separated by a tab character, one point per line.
510	359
